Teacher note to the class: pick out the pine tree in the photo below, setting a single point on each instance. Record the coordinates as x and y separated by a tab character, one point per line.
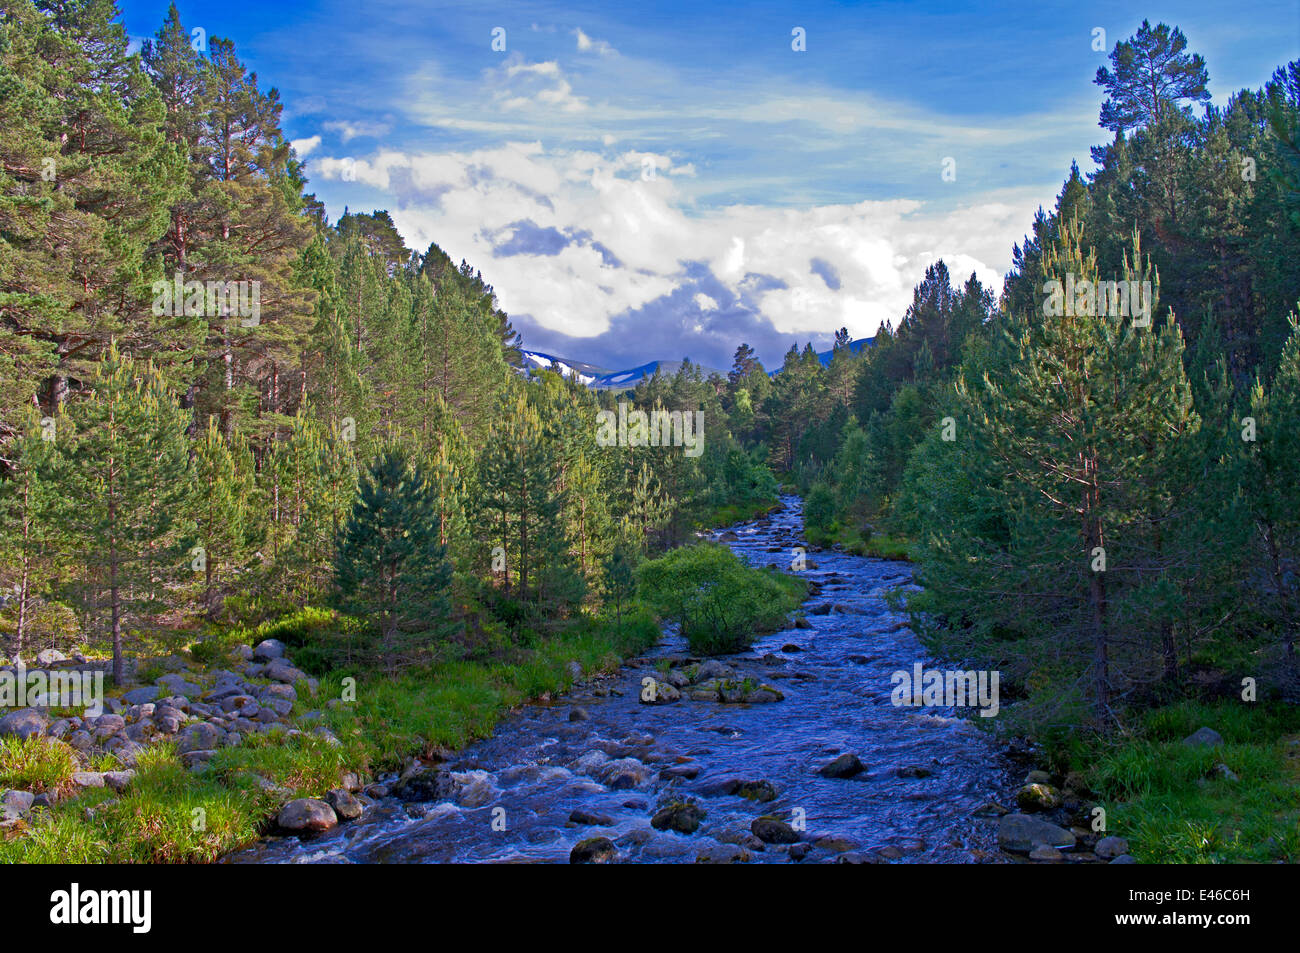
390	565
126	489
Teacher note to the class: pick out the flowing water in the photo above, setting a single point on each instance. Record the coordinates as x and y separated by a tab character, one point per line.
927	769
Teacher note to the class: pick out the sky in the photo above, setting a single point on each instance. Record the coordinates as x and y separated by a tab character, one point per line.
643	182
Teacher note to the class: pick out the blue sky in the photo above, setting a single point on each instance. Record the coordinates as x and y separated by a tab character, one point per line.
656	181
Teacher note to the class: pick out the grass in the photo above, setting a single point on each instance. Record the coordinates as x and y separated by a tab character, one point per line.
878	545
35	765
1173	806
170	815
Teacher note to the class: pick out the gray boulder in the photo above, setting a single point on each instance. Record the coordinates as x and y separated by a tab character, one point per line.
845	766
268	649
344	803
307	815
25	723
1109	848
141	696
1203	736
1020	834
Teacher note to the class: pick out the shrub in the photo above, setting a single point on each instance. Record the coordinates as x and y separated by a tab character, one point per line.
720	603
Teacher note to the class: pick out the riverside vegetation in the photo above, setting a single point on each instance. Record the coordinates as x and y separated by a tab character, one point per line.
364	480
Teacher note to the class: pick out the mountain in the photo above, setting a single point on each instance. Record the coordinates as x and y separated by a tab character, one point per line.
602	378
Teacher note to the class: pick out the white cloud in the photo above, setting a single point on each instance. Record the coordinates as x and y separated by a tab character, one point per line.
305	147
348	131
616	241
587	45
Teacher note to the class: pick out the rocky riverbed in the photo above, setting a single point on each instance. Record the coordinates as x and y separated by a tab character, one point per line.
792	751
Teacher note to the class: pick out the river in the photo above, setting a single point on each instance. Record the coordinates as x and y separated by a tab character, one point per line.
927	770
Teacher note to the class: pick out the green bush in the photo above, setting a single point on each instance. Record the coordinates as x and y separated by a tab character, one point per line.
720	603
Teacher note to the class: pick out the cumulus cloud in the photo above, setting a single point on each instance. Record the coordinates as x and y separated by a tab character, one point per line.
305	147
583	250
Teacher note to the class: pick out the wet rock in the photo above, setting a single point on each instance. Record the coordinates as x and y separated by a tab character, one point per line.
473	788
791	647
1125	859
681	816
1044	854
1038	797
578	714
587	818
990	809
1203	737
764	694
838	845
858	857
801	623
424	784
661	693
1108	848
712	669
846	765
306	815
593	850
623	773
823	609
1038	777
23	724
799	851
1021	833
773	830
760	791
687	772
345	804
723	854
914	771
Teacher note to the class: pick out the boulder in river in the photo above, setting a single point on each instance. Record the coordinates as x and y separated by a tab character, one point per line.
846	765
593	850
760	791
773	830
424	784
345	804
582	817
681	816
1021	833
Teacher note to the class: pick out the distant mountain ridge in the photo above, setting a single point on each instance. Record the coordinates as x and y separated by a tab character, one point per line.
603	378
